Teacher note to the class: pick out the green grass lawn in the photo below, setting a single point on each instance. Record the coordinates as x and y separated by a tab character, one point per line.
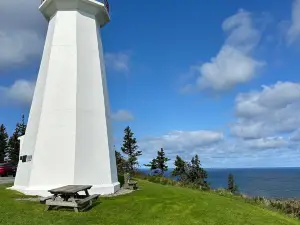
154	204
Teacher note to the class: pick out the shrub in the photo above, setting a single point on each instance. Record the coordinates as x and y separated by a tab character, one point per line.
121	180
223	192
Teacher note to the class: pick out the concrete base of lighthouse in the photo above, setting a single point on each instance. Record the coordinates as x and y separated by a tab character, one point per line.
68	137
43	191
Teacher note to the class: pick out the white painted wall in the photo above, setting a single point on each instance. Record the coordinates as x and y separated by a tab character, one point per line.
68	130
23	173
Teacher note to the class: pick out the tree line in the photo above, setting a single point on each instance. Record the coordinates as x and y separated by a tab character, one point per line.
10	145
189	172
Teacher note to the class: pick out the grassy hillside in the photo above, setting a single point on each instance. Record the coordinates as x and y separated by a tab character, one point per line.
154	204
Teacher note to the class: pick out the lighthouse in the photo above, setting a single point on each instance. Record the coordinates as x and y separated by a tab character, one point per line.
68	140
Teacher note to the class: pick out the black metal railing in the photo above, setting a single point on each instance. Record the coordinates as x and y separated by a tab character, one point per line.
105	2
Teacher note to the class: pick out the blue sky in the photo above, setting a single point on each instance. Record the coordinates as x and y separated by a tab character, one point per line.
194	77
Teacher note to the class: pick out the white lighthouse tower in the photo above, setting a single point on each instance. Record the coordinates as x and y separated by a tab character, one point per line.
68	138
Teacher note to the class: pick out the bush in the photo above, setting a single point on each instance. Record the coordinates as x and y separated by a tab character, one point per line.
223	192
121	180
290	207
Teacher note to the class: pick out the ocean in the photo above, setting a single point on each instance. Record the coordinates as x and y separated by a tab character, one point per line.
267	182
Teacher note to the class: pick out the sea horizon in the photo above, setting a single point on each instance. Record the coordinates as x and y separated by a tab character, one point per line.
269	182
279	167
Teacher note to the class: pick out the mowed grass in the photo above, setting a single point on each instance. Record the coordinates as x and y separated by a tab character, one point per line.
154	204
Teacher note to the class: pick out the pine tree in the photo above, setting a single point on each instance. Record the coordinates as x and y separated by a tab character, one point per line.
162	160
119	160
22	126
196	174
179	170
121	163
3	142
14	146
13	149
232	187
159	162
152	164
130	148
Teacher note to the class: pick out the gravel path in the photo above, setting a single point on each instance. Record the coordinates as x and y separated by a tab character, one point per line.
120	192
6	180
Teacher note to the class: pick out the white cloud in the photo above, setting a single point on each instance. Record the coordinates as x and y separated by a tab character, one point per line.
213	149
22	30
272	110
294	29
184	143
118	61
122	116
20	93
266	143
242	34
188	139
234	63
229	68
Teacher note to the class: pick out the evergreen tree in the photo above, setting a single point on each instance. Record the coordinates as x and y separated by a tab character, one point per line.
22	126
13	149
119	160
190	172
121	163
3	142
152	164
131	149
14	146
162	160
196	174
232	187
159	162
179	170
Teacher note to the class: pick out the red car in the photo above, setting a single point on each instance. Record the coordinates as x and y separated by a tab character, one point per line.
7	169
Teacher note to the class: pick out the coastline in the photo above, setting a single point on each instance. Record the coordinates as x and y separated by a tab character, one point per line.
290	207
272	183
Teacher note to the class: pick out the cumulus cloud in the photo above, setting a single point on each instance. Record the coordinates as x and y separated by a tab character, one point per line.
187	139
214	149
184	143
19	93
242	33
22	31
267	143
122	116
234	64
294	29
118	61
230	67
272	110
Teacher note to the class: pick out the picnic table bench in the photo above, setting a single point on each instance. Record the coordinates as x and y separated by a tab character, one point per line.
128	183
68	196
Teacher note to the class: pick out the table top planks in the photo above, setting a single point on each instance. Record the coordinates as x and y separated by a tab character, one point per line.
70	189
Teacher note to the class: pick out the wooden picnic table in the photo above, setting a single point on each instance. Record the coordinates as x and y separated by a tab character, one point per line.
68	196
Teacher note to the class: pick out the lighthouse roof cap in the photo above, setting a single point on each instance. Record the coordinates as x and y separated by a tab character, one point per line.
96	8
